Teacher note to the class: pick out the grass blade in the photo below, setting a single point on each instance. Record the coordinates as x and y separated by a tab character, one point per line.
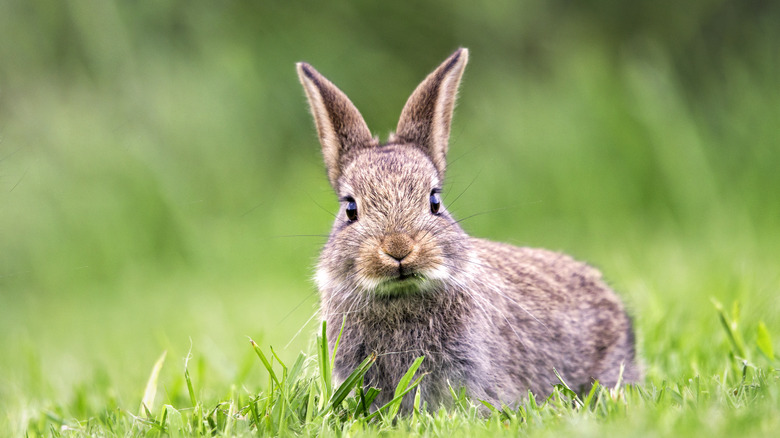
322	356
338	339
310	405
490	407
351	381
175	422
284	367
764	341
297	367
403	384
396	399
231	414
366	398
190	388
589	398
265	361
566	390
151	387
731	327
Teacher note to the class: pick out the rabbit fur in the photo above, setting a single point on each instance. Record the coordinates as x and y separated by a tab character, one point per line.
492	318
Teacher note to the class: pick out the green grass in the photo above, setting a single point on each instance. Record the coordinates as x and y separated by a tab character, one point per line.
300	400
161	190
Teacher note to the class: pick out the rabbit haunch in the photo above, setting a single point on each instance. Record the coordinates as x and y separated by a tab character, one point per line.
496	319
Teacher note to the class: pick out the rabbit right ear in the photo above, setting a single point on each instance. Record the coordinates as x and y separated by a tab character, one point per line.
340	126
426	117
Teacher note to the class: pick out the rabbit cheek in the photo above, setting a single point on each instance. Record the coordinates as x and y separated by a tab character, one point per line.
431	263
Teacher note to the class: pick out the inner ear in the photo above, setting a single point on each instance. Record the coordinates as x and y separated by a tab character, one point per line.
340	126
426	118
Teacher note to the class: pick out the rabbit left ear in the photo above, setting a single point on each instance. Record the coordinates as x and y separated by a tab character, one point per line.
340	126
427	115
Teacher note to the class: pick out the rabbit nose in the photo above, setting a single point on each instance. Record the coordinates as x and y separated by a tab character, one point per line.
398	246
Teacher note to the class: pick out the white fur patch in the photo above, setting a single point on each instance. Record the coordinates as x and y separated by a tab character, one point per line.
323	279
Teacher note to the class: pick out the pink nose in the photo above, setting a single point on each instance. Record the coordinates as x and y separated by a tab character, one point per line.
398	246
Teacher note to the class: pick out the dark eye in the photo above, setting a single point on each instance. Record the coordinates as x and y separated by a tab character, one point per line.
435	202
351	209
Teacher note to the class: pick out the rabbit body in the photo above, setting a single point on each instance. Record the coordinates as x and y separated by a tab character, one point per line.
407	281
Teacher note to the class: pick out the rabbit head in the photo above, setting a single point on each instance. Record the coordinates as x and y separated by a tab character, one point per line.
392	235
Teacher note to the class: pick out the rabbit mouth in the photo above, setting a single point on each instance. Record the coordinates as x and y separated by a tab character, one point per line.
402	283
408	276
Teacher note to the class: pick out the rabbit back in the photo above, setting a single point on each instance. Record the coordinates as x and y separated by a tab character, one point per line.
555	312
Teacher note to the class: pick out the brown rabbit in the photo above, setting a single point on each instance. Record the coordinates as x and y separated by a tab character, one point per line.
490	317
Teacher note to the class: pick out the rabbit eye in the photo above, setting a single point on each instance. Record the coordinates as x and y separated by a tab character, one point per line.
435	202
351	209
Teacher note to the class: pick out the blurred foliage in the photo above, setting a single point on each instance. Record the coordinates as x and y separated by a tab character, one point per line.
159	133
160	175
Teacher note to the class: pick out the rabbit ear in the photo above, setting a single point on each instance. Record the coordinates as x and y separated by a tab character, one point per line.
340	126
425	119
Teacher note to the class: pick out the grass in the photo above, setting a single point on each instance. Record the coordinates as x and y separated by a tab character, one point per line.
161	190
300	400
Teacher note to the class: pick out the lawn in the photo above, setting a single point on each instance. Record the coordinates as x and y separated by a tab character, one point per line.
163	201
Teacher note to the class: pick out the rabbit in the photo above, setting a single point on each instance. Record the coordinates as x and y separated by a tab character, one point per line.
400	278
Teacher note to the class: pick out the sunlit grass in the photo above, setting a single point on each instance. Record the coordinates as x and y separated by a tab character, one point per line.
300	400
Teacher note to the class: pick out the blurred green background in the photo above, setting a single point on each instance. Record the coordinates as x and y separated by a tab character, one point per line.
161	185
